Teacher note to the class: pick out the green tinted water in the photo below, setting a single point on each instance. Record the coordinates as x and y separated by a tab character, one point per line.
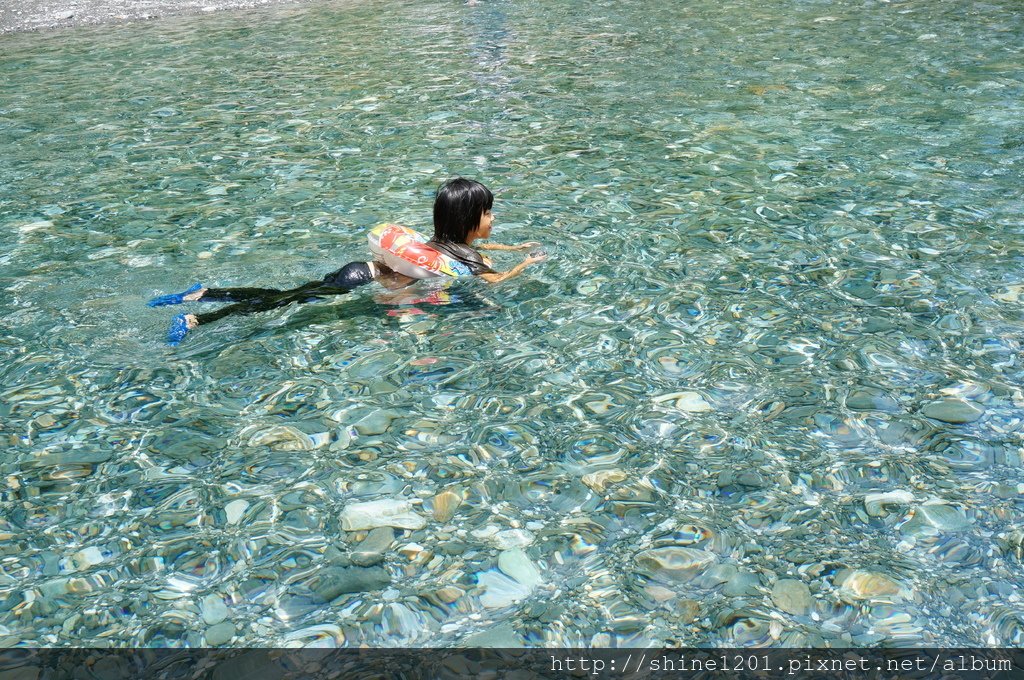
785	266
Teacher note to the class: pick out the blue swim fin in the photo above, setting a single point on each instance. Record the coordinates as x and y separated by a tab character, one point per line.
176	333
173	298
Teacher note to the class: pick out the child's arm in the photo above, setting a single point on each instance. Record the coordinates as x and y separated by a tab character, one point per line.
498	246
515	271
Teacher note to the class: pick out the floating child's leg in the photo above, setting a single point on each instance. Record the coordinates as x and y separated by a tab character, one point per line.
252	300
270	299
238	294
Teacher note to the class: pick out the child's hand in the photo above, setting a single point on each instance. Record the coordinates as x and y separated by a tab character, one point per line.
533	258
527	245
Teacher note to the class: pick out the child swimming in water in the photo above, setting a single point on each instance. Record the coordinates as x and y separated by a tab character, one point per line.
462	215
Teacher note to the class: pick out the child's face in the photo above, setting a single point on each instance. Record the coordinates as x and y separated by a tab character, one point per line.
483	230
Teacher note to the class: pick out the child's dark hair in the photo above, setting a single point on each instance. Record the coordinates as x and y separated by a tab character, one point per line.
458	205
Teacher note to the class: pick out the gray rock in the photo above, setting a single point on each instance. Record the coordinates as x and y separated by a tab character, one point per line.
516	564
792	596
335	581
213	609
876	503
220	634
674	563
500	636
688	611
742	584
386	512
371	550
750	478
953	411
860	584
335	556
453	548
936	518
377	422
871	400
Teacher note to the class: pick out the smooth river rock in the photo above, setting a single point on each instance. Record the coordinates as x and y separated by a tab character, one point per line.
674	563
220	634
335	581
936	518
515	564
876	503
860	584
955	411
388	512
370	550
792	596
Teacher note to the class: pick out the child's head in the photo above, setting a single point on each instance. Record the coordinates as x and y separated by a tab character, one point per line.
458	206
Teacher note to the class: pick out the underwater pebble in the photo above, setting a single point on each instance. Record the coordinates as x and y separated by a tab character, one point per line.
377	422
875	503
445	504
691	402
512	538
688	611
333	582
871	400
500	590
213	609
741	584
1011	294
936	518
953	411
219	634
866	585
234	510
602	478
792	596
371	549
674	563
501	636
280	438
515	564
387	512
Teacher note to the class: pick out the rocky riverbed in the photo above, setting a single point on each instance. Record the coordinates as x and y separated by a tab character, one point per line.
36	15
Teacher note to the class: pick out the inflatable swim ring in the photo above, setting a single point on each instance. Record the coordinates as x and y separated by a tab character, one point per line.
406	251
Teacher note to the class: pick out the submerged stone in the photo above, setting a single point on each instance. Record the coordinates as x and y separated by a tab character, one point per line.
954	411
674	563
213	609
336	581
875	503
866	585
372	548
502	636
936	518
387	512
516	564
512	538
445	505
691	402
792	596
871	400
597	481
501	590
377	422
220	634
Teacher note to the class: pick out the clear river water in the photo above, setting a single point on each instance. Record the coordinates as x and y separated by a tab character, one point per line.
765	390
